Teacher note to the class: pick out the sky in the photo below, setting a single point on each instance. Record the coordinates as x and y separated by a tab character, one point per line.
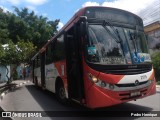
65	9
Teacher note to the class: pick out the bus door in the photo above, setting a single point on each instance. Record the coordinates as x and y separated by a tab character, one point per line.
74	65
42	69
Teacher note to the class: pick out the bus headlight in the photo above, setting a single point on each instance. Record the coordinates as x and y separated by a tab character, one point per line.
92	78
111	86
100	83
105	85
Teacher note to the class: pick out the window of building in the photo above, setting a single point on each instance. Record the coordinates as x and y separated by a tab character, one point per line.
157	33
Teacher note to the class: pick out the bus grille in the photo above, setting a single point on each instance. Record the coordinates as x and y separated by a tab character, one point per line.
122	69
128	71
126	96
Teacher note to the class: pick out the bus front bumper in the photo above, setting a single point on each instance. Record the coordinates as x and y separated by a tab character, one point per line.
100	97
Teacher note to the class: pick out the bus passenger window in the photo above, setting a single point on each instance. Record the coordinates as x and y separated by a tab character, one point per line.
59	49
37	62
49	54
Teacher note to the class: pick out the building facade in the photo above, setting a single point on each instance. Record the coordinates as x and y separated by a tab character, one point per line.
153	30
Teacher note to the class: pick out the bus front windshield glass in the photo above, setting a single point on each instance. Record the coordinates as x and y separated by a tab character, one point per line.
116	45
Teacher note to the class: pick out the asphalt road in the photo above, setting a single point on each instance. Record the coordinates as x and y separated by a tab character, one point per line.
29	98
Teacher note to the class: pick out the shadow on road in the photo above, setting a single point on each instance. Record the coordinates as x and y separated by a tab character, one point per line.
158	91
47	100
49	103
15	89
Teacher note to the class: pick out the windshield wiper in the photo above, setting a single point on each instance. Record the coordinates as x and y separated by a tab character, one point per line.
113	36
116	32
133	40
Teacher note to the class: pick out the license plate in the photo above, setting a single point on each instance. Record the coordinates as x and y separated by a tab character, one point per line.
135	93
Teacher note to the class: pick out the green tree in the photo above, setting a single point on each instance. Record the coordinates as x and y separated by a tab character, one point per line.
25	51
3	27
30	27
15	54
17	28
27	26
156	64
1	51
22	31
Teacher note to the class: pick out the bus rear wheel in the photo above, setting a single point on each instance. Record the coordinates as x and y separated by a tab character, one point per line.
60	92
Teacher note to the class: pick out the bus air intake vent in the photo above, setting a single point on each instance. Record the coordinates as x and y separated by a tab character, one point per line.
126	96
128	70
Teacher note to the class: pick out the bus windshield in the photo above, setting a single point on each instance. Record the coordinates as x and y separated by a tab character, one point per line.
116	45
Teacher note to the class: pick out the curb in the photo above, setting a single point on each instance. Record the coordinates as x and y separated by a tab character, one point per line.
157	86
3	94
21	83
11	88
6	91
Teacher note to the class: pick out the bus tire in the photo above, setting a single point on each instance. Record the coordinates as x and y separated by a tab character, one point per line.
60	92
36	81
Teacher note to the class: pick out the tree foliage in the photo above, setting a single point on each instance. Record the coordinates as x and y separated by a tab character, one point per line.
3	27
12	54
22	28
24	32
27	26
16	54
156	64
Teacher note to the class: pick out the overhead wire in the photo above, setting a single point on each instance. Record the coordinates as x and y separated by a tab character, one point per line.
151	13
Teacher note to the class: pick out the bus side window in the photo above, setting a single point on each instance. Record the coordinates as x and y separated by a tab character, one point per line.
49	54
37	62
59	49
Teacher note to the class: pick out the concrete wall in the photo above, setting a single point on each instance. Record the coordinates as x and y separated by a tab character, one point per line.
3	73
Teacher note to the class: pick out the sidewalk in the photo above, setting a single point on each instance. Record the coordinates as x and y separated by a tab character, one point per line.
15	82
20	82
4	87
2	84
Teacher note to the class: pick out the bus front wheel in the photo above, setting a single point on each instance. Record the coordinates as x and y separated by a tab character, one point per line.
60	92
36	81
